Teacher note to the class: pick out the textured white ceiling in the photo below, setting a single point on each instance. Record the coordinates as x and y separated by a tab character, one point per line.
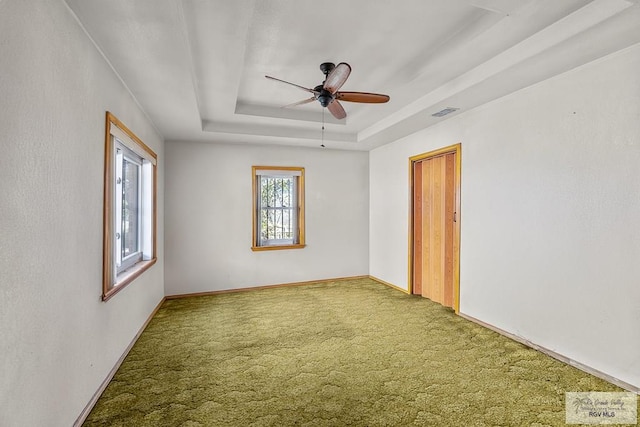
197	67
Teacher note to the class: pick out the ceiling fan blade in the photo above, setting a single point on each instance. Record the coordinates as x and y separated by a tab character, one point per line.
304	101
337	77
370	98
292	84
337	110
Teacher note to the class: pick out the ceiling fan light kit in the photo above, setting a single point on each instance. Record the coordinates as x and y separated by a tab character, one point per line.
327	93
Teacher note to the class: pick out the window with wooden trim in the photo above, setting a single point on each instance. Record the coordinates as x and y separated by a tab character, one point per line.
130	182
278	207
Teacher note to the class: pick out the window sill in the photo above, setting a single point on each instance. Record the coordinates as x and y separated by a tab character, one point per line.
127	277
276	247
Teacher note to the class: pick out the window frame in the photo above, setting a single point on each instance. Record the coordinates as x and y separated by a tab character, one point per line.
287	171
117	134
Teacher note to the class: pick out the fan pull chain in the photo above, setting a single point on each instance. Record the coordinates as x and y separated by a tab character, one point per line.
322	142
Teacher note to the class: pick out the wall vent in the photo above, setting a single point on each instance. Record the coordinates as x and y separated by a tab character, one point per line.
444	112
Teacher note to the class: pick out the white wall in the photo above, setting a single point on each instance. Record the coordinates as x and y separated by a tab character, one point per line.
550	237
209	217
58	340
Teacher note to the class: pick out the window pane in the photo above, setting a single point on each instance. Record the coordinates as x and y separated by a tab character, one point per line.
286	224
277	223
271	219
130	207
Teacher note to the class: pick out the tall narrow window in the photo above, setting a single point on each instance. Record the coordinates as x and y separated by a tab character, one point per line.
278	206
130	207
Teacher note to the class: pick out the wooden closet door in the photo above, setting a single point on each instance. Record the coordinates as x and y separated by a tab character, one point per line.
433	228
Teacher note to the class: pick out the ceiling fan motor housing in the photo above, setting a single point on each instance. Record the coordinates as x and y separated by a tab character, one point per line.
324	96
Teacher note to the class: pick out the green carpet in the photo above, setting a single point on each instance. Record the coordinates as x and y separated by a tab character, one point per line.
348	353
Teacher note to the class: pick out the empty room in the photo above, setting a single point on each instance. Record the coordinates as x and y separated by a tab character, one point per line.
280	212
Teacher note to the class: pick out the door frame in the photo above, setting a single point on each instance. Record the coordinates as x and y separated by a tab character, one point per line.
457	150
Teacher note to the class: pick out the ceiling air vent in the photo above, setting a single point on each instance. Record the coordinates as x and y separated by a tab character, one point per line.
444	112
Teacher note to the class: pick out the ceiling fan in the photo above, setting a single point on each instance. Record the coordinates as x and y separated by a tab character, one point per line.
327	93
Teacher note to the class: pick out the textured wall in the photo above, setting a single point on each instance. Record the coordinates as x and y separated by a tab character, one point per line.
58	340
208	217
550	208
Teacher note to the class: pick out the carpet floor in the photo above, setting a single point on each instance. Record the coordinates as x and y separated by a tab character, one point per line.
347	353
